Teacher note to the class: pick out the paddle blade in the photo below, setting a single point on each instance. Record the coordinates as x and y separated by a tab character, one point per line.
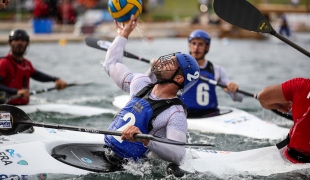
243	14
97	43
12	120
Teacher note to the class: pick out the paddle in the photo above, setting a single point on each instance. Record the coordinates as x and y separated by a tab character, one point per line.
104	45
243	14
95	43
286	115
44	90
14	120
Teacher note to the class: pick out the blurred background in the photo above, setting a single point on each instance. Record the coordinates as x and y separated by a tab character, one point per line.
72	20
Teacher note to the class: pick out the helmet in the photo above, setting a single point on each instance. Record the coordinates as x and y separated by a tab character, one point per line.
189	66
18	34
200	34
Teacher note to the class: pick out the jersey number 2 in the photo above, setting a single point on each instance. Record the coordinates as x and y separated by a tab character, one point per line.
132	121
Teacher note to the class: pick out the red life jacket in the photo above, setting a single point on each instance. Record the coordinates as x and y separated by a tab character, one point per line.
299	134
299	137
19	79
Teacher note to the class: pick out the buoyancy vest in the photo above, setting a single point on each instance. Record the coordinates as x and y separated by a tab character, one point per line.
21	77
298	140
299	134
139	111
202	95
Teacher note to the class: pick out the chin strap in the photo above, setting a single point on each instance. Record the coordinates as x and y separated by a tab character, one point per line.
171	80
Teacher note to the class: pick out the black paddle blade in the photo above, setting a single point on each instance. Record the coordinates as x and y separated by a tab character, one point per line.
97	43
243	14
12	120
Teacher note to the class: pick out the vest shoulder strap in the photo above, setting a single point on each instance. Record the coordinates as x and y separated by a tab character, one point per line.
158	106
210	68
145	90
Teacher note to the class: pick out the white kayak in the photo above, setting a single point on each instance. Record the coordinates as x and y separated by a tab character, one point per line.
47	150
231	121
258	162
77	110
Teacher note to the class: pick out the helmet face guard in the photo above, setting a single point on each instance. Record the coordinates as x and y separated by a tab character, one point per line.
176	63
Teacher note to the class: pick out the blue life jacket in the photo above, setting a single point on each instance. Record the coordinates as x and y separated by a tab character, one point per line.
139	111
202	95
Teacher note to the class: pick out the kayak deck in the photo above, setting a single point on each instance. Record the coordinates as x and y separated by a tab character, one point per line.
77	110
27	154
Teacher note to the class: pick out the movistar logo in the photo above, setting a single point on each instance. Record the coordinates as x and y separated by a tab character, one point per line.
190	77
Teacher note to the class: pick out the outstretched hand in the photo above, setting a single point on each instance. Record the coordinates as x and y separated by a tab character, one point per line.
126	28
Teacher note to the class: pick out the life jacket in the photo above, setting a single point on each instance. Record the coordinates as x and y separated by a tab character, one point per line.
139	111
298	140
202	95
22	73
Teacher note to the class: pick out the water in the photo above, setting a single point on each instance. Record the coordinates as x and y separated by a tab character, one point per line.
250	63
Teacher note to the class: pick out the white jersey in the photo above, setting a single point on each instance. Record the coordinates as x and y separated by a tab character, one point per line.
171	123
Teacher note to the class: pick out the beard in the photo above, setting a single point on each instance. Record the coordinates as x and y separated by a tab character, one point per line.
159	76
18	50
201	57
164	75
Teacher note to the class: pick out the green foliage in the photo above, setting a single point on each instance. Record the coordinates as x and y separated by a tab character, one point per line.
172	10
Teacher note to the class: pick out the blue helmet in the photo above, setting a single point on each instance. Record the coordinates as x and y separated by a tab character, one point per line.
200	34
190	68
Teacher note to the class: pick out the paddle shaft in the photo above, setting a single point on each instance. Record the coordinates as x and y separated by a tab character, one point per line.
284	39
285	115
93	42
47	90
109	132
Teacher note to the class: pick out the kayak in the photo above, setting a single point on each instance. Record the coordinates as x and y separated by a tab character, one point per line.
228	121
264	161
45	150
77	110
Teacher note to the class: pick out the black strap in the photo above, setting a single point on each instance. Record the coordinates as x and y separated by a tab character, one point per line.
158	106
145	90
283	143
210	68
